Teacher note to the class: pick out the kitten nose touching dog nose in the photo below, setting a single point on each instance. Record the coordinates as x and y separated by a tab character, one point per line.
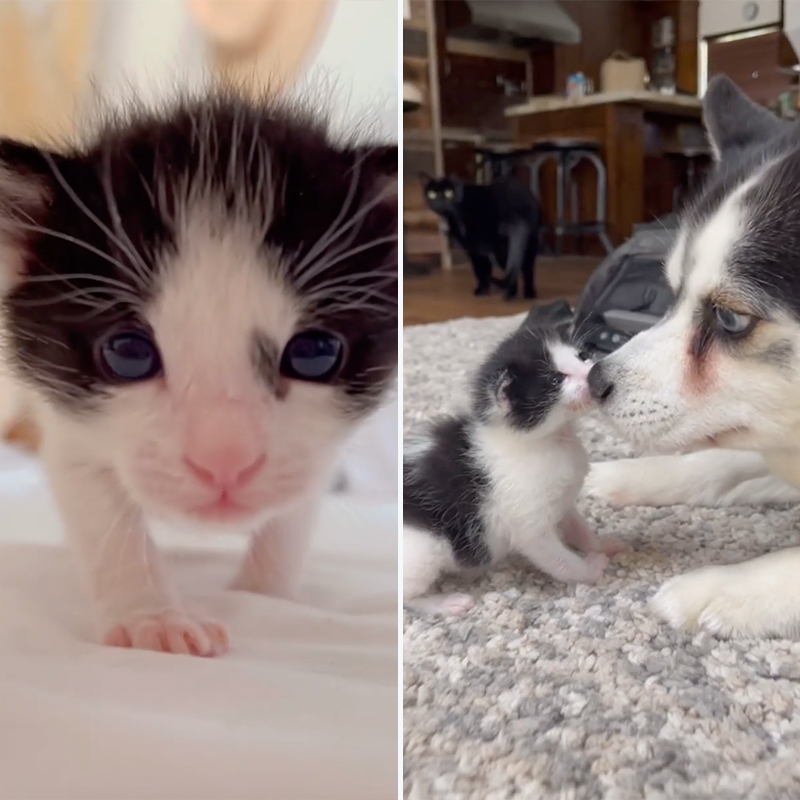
503	477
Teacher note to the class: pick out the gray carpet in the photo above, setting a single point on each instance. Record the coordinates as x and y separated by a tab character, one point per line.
544	691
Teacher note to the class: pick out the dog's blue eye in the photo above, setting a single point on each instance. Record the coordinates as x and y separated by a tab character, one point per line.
129	356
733	323
312	356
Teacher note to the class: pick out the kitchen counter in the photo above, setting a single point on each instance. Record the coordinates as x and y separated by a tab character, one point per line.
627	127
652	101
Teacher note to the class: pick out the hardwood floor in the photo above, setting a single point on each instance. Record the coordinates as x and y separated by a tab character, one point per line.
448	295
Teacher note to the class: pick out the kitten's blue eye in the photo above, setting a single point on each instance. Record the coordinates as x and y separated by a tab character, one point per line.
129	356
312	356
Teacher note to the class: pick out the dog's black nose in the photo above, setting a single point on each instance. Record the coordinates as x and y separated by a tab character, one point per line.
600	385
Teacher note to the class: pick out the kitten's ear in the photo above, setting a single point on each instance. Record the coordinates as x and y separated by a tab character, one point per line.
501	392
734	121
424	177
382	159
379	165
26	175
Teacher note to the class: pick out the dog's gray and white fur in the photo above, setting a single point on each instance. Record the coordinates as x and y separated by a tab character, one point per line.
722	370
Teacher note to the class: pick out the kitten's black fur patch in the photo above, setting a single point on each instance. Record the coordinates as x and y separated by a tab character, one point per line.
521	376
445	486
444	491
270	165
500	221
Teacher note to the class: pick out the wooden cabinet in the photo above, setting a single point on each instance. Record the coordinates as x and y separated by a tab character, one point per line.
476	89
721	17
753	63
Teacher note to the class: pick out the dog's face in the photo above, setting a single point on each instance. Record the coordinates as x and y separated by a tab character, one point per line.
723	367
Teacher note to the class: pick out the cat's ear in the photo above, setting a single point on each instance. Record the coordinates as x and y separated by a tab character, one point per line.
501	392
26	186
733	121
383	159
379	167
424	177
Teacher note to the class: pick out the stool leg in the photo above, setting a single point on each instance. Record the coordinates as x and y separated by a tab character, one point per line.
535	184
602	232
691	174
575	214
536	187
560	181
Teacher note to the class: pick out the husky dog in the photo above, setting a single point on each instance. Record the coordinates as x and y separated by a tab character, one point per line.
718	380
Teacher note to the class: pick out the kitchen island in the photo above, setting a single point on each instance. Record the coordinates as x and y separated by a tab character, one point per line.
629	127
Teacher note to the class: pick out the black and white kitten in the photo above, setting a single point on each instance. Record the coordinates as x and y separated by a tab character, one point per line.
494	224
200	303
505	477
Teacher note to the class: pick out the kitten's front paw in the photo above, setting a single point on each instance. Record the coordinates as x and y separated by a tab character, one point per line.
455	605
612	546
596	564
170	632
481	290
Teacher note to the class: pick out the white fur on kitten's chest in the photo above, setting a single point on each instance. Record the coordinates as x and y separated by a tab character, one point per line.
534	482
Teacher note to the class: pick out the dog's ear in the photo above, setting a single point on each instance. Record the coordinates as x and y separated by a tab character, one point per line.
734	121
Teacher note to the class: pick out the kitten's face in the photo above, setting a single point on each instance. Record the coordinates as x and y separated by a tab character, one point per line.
205	302
442	194
533	383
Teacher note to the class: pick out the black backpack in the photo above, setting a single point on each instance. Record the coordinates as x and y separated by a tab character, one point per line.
626	294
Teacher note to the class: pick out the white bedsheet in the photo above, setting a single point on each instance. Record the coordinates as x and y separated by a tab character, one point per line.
304	705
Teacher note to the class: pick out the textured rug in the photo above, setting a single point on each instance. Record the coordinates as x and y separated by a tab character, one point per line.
544	691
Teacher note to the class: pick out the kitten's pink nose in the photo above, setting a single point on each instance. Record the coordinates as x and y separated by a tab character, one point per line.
228	468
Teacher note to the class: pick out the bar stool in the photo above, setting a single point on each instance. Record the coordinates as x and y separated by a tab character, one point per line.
568	153
493	161
693	160
691	148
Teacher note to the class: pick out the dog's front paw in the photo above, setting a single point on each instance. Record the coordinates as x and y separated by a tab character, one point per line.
627	482
718	600
758	598
611	482
170	632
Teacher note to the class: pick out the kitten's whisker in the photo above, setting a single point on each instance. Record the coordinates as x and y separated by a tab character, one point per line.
230	175
73	276
81	295
323	241
324	265
116	220
383	275
79	243
82	206
358	216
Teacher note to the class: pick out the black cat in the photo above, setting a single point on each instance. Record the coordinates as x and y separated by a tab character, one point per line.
497	223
